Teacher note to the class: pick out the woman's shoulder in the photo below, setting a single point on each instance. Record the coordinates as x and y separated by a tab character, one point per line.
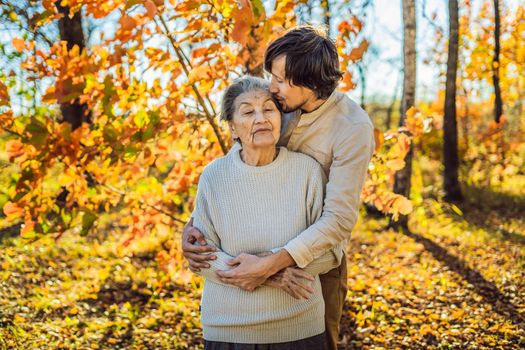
304	161
216	167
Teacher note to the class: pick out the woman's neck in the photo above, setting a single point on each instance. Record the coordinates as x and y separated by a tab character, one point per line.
259	156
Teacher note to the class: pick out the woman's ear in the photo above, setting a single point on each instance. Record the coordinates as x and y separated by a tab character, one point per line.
232	130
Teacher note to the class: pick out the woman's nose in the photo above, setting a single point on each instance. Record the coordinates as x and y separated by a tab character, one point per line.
259	116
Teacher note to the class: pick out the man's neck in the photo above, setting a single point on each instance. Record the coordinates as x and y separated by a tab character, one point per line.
311	106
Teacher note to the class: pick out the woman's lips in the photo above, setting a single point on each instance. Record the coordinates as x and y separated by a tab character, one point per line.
261	130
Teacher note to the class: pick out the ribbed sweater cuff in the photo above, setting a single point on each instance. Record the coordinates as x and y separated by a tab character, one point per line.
299	252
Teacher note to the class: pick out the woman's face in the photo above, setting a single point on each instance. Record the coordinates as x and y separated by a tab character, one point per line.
256	120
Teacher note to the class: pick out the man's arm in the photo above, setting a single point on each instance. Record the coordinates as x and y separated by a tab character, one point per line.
195	248
352	155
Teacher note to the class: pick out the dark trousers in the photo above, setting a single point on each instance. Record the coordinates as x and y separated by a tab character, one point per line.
312	343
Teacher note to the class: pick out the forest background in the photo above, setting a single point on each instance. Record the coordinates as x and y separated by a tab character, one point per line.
108	113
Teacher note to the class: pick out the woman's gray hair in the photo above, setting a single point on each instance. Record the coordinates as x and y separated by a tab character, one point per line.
239	86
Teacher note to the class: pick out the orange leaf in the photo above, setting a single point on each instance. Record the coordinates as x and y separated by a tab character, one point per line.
151	8
344	27
357	53
127	23
4	95
348	83
199	73
357	24
199	52
14	148
403	205
13	210
243	20
19	44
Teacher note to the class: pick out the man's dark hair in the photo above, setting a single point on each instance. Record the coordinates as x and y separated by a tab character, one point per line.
311	59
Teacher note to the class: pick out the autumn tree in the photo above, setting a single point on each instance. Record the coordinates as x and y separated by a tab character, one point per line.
402	177
450	133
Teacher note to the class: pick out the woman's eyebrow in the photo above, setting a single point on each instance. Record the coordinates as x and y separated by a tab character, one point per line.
245	103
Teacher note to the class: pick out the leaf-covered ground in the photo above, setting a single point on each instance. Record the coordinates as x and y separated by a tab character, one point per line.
457	280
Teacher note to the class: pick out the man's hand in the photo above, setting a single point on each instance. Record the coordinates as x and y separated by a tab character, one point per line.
193	252
293	281
250	272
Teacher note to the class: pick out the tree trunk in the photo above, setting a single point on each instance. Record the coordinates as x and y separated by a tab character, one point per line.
362	78
498	104
402	177
450	130
325	4
71	31
390	110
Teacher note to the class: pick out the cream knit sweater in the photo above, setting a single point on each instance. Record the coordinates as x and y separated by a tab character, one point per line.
248	209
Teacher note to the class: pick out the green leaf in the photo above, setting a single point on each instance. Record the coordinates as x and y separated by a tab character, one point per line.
38	133
148	133
257	7
110	133
88	219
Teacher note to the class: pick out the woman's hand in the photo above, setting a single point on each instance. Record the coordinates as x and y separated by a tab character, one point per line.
293	281
194	252
250	271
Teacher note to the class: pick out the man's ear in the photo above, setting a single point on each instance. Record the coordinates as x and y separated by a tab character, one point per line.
233	131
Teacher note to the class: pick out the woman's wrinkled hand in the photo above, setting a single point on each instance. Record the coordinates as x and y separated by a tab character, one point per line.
250	272
294	281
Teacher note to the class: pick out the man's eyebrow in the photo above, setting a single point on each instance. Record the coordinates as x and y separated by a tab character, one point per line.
278	77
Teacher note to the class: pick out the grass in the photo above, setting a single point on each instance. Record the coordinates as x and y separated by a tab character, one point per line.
455	280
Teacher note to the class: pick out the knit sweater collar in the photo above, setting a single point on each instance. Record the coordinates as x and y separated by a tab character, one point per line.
236	159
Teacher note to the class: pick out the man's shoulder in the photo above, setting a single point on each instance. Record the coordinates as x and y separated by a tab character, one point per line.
348	112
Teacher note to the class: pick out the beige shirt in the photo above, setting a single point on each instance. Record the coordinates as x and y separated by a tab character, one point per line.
340	136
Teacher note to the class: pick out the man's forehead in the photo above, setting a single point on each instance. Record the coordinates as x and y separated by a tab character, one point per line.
278	66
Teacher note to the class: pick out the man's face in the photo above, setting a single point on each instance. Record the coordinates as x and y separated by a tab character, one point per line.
289	96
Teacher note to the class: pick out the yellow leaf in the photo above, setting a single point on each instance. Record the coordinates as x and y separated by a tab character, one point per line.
19	318
395	164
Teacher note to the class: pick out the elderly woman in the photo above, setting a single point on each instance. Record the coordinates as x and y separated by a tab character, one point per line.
272	194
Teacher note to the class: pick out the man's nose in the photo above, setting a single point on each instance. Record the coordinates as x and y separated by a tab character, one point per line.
273	87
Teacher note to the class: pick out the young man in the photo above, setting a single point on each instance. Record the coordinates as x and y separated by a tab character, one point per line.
333	129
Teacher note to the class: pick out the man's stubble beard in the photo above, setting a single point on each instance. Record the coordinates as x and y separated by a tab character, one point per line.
288	109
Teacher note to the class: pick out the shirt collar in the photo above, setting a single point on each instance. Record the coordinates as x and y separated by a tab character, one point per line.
310	117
